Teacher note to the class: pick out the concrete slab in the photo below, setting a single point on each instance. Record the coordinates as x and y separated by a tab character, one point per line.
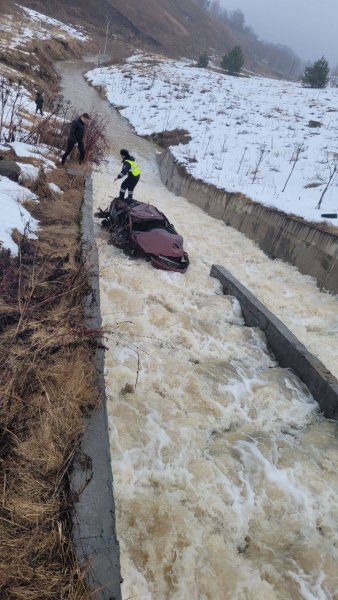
288	350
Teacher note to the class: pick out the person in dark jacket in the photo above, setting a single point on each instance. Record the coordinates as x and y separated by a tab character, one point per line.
39	103
76	135
130	169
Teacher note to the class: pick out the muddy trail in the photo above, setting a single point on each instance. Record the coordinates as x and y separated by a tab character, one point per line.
225	475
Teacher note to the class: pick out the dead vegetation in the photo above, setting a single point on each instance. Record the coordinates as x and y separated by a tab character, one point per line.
47	388
47	370
170	138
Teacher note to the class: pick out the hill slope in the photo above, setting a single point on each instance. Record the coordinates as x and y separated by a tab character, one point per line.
178	27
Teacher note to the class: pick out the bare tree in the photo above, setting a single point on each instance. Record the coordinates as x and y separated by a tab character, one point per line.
294	159
107	31
333	168
262	151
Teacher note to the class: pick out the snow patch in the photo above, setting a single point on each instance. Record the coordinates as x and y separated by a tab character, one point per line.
55	188
14	215
43	33
24	150
28	170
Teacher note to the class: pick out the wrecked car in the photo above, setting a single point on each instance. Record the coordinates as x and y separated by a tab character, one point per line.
142	231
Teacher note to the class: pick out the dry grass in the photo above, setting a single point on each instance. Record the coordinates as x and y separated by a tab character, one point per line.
47	387
170	138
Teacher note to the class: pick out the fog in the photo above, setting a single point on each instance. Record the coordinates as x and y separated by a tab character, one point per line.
309	28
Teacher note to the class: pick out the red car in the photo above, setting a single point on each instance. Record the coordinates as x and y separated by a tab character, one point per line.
143	231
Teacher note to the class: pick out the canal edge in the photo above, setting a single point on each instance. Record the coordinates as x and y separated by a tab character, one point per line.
287	349
94	526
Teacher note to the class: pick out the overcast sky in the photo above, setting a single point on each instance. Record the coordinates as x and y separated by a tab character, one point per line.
309	27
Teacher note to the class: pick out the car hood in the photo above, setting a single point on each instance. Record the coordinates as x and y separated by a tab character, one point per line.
159	241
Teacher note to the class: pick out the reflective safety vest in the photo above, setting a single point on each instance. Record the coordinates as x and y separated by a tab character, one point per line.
134	168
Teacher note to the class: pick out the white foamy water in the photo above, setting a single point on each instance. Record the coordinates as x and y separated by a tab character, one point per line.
225	476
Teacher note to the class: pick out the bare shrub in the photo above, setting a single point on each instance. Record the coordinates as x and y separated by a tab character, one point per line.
8	276
50	129
53	130
40	186
170	138
11	96
96	145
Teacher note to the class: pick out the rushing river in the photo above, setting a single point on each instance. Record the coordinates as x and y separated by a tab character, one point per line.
225	475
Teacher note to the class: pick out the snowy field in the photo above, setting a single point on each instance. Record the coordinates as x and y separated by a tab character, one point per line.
249	135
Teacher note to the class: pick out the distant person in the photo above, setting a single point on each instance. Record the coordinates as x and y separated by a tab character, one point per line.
130	169
76	135
39	103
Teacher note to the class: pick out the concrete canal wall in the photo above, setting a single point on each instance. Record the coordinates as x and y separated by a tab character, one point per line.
288	350
94	530
312	250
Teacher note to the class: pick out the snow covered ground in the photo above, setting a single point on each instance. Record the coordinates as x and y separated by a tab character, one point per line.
32	26
42	22
13	195
37	152
15	101
249	135
16	108
13	214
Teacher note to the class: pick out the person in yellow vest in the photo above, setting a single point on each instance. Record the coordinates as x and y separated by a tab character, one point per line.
131	169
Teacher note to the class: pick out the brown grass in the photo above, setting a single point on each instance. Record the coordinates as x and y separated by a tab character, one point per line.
170	138
47	388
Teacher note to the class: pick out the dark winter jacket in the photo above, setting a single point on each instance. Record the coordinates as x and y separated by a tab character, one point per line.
39	100
77	130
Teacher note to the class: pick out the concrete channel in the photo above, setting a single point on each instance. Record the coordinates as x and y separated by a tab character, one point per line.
311	249
288	350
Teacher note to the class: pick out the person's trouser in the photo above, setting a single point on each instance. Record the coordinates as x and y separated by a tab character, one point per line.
129	184
70	146
39	109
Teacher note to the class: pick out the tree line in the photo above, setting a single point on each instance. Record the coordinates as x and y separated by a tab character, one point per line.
315	75
278	57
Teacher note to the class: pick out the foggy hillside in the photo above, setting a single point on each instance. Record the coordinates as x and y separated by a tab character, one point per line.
173	27
177	27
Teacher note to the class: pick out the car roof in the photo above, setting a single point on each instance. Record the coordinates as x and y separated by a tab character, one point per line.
146	212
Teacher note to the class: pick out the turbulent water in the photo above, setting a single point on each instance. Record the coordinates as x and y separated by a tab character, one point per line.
225	475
